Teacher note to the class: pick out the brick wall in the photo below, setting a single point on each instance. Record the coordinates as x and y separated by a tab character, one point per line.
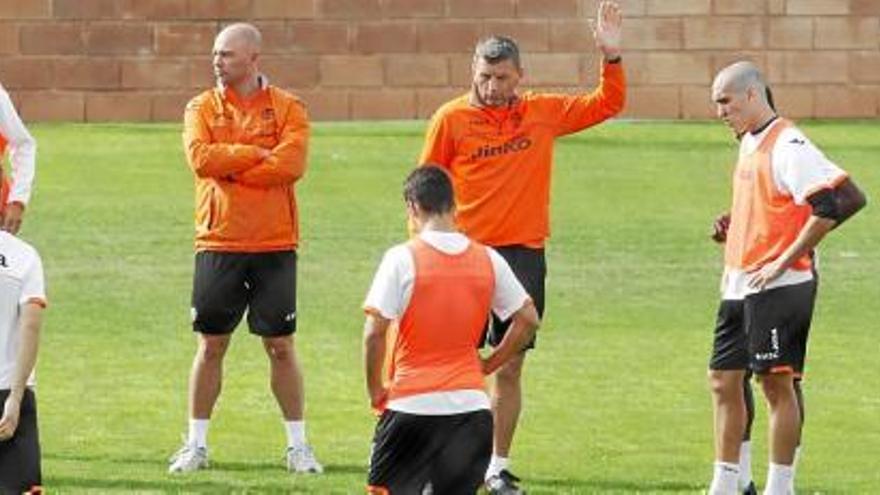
99	60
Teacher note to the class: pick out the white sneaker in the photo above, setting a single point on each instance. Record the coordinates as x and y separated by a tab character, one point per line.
301	459
188	459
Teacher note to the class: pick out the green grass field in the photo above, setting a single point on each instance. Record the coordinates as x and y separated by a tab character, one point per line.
616	397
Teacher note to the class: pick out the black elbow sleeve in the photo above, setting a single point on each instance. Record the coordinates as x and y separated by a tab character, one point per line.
824	204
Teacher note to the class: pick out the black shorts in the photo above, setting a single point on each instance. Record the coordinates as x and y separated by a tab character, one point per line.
20	455
450	451
530	268
225	284
767	332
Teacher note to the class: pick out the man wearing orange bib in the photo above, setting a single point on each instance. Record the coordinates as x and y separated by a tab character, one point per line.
436	427
15	192
784	202
497	145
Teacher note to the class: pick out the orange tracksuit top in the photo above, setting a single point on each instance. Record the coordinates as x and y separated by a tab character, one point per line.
764	222
5	186
500	159
245	203
436	347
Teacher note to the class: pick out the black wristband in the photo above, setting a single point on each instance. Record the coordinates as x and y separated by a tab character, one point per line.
615	60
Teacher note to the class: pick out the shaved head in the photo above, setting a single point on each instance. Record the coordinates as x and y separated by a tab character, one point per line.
741	76
242	34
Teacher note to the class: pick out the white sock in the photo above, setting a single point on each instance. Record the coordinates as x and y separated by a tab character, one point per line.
296	433
725	479
198	432
779	479
496	465
745	465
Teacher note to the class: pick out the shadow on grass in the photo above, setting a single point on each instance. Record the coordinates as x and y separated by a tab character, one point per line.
181	485
554	485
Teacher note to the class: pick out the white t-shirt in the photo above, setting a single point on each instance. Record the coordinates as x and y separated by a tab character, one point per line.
22	150
21	282
390	294
799	169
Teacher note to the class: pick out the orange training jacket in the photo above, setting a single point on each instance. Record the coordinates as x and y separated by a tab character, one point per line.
245	203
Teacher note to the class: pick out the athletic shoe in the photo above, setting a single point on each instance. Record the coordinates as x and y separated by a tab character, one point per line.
750	490
301	459
504	483
188	459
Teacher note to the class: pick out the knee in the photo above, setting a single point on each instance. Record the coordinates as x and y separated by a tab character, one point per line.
279	349
510	373
777	389
723	384
213	349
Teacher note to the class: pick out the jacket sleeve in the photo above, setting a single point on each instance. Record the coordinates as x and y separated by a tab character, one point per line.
439	147
207	158
23	150
578	112
287	163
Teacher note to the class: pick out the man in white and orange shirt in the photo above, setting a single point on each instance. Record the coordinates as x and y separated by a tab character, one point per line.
436	426
22	301
498	148
15	192
786	198
246	142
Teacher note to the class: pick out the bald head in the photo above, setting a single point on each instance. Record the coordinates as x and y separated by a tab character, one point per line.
241	34
236	50
740	77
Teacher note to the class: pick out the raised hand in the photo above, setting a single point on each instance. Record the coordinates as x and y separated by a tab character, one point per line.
607	29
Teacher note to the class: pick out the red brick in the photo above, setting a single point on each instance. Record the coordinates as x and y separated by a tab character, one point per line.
324	104
636	67
740	7
847	32
349	9
85	9
385	37
413	8
723	33
652	34
8	38
448	36
790	32
275	36
429	100
795	102
774	67
817	7
816	67
351	71
119	39
865	66
118	107
775	7
532	9
57	38
291	71
841	101
652	102
26	73
25	9
153	74
319	37
168	107
630	8
190	38
575	36
531	36
678	7
679	68
590	66
696	103
219	9
284	9
552	69
153	9
468	9
864	7
460	70
86	73
51	106
416	70
383	104
201	74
